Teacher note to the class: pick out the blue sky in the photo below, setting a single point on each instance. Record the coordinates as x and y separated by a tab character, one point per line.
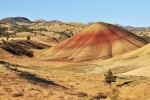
124	12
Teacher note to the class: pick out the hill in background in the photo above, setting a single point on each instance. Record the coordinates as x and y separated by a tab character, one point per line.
16	20
98	41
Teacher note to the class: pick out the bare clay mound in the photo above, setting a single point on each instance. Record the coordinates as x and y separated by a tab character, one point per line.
98	41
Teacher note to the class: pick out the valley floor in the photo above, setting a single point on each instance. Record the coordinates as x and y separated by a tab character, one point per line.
67	82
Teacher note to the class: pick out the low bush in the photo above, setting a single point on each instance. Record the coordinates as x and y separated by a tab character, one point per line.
109	77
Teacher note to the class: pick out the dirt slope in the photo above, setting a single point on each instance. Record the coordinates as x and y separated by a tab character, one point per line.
98	41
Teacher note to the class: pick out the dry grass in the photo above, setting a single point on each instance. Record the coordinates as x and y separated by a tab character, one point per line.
24	78
26	82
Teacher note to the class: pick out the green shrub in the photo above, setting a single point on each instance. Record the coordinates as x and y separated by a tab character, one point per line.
109	77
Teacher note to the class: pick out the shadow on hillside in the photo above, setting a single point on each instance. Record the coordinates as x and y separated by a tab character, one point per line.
20	48
32	77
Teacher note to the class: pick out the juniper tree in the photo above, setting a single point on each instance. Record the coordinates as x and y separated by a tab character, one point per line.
109	77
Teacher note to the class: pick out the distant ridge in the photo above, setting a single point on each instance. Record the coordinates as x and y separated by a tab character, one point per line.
40	21
16	20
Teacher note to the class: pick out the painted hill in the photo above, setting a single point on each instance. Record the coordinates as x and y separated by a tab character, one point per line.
98	41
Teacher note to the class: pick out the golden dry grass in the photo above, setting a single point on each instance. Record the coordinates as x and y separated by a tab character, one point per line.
79	85
28	78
